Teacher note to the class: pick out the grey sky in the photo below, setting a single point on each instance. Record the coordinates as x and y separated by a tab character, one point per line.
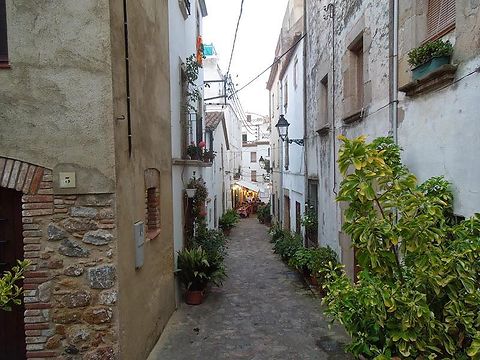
255	47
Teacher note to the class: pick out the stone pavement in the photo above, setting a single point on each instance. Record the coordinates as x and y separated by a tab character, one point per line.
263	312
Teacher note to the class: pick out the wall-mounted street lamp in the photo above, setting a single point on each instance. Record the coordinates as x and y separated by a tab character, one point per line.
265	164
282	127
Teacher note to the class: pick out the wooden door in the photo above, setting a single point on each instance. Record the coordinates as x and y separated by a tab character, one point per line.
12	334
286	215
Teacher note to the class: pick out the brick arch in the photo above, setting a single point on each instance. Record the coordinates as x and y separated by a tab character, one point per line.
21	176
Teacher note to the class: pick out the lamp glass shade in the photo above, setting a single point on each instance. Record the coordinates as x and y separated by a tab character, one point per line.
261	161
282	127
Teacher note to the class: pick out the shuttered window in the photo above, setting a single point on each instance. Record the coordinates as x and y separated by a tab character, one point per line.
440	16
3	33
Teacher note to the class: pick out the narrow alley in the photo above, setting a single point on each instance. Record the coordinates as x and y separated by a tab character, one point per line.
262	312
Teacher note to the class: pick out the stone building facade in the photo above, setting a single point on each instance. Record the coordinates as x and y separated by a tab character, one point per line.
78	170
359	83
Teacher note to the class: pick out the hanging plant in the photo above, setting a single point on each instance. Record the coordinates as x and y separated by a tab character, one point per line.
201	194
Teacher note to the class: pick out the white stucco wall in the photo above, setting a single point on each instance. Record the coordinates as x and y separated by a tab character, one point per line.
440	135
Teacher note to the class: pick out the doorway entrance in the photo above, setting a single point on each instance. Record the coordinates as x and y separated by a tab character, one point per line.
12	334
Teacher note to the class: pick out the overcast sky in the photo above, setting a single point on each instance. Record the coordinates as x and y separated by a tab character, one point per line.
255	47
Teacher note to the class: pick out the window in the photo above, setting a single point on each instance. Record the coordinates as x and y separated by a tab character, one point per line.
323	104
298	218
253	176
285	94
313	194
185	8
295	72
253	157
279	94
273	204
152	202
153	209
268	152
354	80
244	137
3	34
440	17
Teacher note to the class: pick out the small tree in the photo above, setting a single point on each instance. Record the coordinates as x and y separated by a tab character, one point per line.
418	294
10	292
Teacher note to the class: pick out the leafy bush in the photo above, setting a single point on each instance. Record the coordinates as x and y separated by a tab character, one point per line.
214	244
425	303
310	218
288	245
276	233
195	271
201	195
426	52
263	213
314	260
228	220
10	292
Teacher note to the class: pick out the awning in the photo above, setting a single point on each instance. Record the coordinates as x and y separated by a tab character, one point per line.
249	185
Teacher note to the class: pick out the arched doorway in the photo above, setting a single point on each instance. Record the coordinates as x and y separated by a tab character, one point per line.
12	333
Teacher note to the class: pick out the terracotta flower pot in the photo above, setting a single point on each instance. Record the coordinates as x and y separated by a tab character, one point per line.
313	280
194	297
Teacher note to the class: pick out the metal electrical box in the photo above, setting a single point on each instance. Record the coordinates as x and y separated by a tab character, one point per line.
139	231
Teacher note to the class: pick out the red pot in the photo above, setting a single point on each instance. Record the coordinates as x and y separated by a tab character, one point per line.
313	280
193	297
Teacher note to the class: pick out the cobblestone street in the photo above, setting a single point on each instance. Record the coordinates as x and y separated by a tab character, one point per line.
263	311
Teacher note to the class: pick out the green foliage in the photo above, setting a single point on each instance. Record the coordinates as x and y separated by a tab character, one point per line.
287	245
215	244
263	213
201	194
310	218
10	292
193	92
228	220
424	53
425	303
276	232
314	260
193	268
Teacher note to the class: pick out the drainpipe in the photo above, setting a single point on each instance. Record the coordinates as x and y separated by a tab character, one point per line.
281	195
394	81
305	133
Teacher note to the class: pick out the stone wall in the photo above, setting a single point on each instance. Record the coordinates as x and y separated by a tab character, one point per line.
70	289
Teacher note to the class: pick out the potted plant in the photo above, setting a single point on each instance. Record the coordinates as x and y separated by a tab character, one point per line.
193	269
194	152
228	221
429	57
263	214
200	196
208	156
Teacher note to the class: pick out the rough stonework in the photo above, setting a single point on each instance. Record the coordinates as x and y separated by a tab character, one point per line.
102	277
70	240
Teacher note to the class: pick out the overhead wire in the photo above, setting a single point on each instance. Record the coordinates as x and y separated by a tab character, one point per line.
235	37
273	64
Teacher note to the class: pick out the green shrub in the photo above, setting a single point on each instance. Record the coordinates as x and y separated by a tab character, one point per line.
424	53
424	303
195	271
263	213
276	232
228	220
214	244
314	260
10	292
288	245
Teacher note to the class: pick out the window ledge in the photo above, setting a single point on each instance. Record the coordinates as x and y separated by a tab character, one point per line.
353	117
195	163
324	130
5	65
152	234
440	77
